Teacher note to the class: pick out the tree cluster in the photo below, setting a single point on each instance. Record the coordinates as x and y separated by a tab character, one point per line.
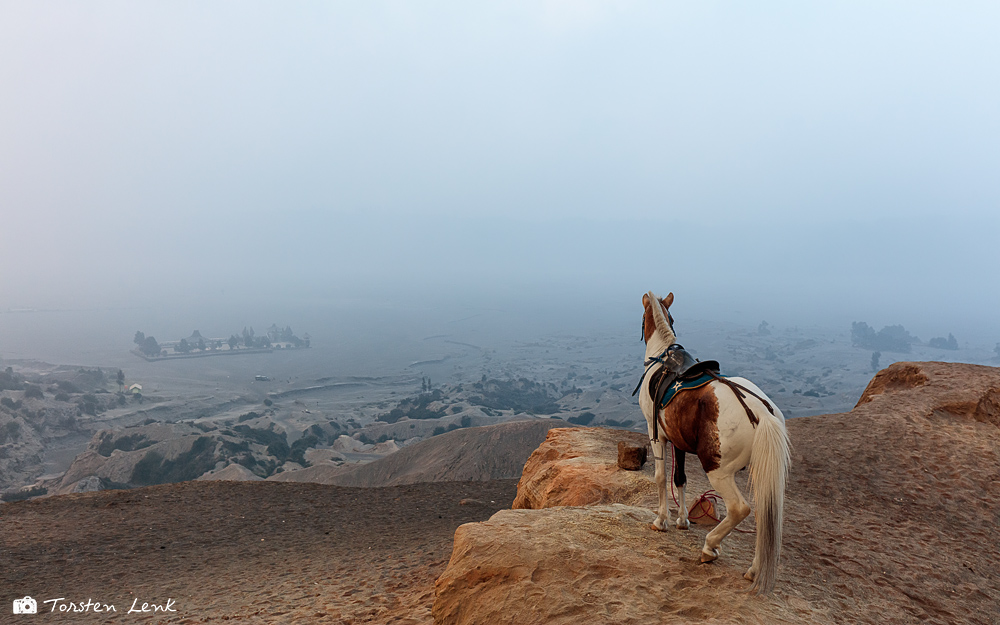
888	339
944	343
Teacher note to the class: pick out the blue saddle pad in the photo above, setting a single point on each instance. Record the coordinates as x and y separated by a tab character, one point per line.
684	385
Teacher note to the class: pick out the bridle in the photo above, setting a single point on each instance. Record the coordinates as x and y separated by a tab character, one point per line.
642	325
654	359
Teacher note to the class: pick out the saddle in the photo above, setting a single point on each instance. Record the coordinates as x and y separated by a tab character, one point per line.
680	371
678	366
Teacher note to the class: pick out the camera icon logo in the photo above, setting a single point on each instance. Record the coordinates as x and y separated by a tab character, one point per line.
25	606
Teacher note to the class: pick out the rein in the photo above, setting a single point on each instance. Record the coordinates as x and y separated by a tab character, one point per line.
649	365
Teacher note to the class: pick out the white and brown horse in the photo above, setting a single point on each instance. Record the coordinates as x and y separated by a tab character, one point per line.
713	423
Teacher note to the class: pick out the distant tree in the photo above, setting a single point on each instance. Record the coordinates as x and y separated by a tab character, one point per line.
763	329
875	357
287	334
944	343
895	339
233	341
248	337
201	343
9	380
139	339
861	334
150	347
32	391
183	347
121	380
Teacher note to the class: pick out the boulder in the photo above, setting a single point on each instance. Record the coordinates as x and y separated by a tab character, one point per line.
631	457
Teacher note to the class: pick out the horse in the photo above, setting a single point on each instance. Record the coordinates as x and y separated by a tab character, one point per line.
716	424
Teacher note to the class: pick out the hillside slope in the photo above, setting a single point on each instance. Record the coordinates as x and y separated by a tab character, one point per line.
482	453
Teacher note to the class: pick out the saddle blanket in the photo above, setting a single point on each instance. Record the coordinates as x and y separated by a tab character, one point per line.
684	385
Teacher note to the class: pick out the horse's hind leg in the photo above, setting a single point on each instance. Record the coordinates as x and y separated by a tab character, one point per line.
659	462
737	509
680	479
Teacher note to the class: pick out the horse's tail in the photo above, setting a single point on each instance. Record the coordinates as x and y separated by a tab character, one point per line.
770	459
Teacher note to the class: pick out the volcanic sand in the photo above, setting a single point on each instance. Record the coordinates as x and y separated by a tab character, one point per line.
250	552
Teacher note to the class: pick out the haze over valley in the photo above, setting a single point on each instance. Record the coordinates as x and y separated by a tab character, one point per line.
295	299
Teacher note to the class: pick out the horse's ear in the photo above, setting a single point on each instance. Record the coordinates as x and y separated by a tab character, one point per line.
668	300
645	301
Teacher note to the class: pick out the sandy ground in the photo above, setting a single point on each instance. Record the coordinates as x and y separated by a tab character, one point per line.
255	552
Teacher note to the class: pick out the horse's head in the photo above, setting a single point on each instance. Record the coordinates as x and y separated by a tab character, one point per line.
656	316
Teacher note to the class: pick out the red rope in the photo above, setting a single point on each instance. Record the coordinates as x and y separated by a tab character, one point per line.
705	503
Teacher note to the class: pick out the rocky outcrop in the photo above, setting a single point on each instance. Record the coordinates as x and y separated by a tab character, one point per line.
120	467
947	389
579	467
346	443
328	456
232	473
157	453
598	564
882	505
88	484
85	464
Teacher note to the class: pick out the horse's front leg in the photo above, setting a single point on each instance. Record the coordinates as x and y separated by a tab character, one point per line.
659	462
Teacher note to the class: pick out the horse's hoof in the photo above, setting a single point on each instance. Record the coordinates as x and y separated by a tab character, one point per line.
652	526
683	525
749	575
706	558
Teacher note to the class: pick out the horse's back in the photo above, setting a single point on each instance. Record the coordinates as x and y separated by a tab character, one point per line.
736	432
754	403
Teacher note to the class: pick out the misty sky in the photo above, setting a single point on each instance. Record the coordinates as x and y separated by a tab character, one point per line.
781	160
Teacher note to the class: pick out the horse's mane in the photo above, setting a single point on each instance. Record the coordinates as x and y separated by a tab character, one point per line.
659	320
